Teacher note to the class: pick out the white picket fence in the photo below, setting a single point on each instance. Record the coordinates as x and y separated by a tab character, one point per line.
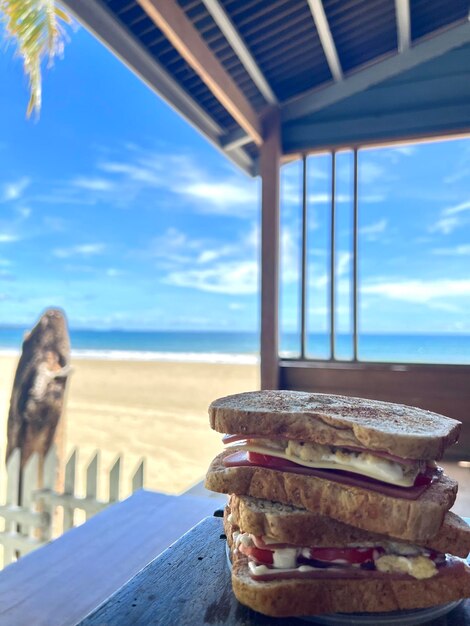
37	520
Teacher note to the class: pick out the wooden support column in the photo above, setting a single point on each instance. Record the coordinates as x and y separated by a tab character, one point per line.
270	163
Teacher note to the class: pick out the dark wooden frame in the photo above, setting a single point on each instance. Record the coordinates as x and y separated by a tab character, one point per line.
440	388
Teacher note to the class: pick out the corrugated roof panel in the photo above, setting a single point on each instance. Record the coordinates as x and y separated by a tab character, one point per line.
214	38
429	15
282	38
134	19
362	29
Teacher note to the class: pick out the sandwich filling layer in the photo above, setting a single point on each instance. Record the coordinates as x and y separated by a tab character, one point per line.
267	559
385	468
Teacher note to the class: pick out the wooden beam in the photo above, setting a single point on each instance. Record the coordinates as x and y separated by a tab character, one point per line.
402	11
239	47
425	51
270	162
177	28
104	25
373	128
235	139
326	38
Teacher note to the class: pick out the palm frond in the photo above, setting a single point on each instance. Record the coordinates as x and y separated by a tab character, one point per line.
37	28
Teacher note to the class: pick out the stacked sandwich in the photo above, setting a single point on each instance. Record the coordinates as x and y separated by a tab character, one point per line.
337	504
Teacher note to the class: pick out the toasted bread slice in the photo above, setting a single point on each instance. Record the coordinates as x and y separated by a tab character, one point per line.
282	598
400	430
410	520
289	524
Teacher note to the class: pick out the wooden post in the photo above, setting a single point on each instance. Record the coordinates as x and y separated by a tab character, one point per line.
38	389
270	163
38	395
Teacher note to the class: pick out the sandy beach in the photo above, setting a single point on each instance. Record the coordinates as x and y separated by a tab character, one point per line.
143	409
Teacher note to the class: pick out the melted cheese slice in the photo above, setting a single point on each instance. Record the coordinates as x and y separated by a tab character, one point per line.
325	457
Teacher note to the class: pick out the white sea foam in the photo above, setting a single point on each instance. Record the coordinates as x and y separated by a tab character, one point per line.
9	352
166	357
177	357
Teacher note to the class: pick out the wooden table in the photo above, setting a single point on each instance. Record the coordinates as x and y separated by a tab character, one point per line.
61	583
189	585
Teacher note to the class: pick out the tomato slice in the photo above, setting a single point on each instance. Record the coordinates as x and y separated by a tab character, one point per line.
266	459
348	555
265	557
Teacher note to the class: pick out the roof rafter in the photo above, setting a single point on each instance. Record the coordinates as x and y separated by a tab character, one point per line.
402	11
233	37
181	33
326	38
363	79
235	139
117	38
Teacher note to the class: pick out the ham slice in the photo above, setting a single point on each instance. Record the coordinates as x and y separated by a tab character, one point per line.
240	459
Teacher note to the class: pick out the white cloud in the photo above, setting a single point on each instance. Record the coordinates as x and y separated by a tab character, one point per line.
462	250
84	269
223	195
24	212
8	238
235	277
457	175
342	267
84	250
371	231
370	172
292	196
289	256
93	184
173	246
56	224
133	172
14	190
408	150
450	218
198	264
145	170
445	225
207	256
343	262
419	291
113	272
461	169
459	208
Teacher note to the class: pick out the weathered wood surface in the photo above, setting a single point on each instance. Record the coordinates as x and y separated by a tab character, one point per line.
37	399
189	585
61	583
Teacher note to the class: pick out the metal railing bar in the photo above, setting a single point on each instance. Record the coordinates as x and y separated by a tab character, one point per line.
303	293
355	264
332	256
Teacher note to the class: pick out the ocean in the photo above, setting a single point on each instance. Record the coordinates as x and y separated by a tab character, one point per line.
243	347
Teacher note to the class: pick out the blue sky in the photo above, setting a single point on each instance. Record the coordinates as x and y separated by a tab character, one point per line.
114	208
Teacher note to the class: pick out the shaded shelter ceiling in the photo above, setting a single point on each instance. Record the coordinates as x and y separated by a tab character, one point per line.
341	72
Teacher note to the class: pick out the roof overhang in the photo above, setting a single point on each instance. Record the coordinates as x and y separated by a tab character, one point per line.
340	75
